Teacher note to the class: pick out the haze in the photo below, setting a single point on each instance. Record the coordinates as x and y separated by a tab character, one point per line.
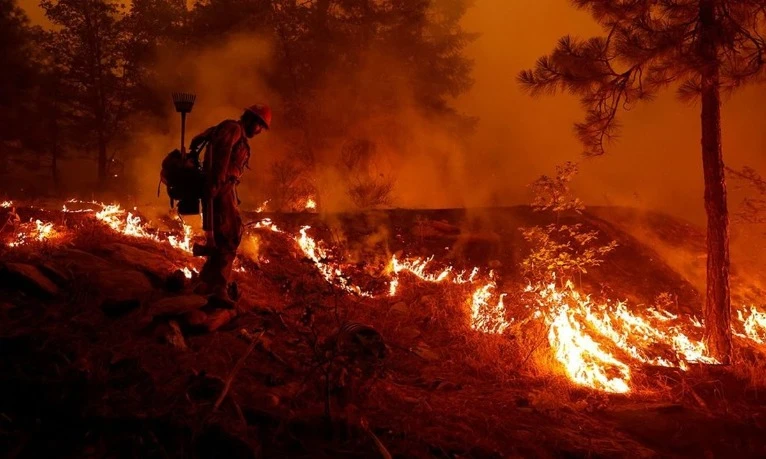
656	162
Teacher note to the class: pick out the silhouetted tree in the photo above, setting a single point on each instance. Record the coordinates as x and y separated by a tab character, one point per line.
318	43
702	46
90	44
150	27
18	75
753	206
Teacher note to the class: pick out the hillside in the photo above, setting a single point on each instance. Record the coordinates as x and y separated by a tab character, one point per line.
107	353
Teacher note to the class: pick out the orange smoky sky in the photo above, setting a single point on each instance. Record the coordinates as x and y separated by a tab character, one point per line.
655	163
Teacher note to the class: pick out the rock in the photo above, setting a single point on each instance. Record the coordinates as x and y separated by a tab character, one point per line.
399	308
149	262
120	285
195	318
175	338
81	262
176	282
268	400
31	280
55	273
361	341
118	307
424	352
219	318
177	305
203	387
409	333
114	284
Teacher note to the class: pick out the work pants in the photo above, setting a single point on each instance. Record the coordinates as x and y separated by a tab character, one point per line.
227	231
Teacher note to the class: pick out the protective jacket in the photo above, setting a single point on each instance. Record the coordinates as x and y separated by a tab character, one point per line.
226	157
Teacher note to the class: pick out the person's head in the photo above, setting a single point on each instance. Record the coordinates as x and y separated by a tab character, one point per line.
255	119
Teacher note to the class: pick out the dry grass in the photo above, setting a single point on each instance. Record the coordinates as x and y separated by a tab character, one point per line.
446	390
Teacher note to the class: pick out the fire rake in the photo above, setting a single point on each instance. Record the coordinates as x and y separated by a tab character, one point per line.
184	103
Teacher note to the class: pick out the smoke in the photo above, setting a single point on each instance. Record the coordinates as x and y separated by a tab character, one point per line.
656	162
422	156
226	79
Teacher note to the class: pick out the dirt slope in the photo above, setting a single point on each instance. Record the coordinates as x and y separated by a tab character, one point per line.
103	356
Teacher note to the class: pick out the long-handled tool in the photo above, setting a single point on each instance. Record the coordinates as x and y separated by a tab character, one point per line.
183	102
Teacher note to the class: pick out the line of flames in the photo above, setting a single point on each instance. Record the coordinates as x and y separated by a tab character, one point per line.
596	344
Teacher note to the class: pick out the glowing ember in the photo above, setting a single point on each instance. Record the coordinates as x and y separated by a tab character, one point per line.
311	204
188	272
6	204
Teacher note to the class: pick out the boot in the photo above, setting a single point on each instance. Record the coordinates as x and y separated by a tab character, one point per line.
220	299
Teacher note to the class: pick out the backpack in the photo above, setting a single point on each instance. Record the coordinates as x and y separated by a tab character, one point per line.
184	180
184	177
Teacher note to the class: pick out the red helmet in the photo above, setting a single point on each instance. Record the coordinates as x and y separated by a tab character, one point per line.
263	112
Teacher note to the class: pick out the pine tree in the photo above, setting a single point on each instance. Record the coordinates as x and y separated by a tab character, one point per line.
19	73
90	45
703	48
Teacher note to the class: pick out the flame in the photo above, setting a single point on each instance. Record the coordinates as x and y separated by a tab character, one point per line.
126	223
485	317
417	267
186	243
34	231
6	204
584	360
262	207
310	204
393	286
575	320
754	325
319	256
268	224
598	344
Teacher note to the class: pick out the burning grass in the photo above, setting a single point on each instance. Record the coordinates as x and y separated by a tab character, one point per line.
597	345
472	346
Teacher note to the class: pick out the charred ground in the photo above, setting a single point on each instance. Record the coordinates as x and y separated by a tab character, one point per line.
98	362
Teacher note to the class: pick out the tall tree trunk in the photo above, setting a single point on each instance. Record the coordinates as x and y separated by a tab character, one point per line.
102	178
717	300
55	155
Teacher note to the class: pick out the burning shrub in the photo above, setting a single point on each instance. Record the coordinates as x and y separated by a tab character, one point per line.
560	250
553	193
290	184
752	209
365	184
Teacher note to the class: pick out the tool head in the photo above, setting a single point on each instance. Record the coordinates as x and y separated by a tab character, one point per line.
183	101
